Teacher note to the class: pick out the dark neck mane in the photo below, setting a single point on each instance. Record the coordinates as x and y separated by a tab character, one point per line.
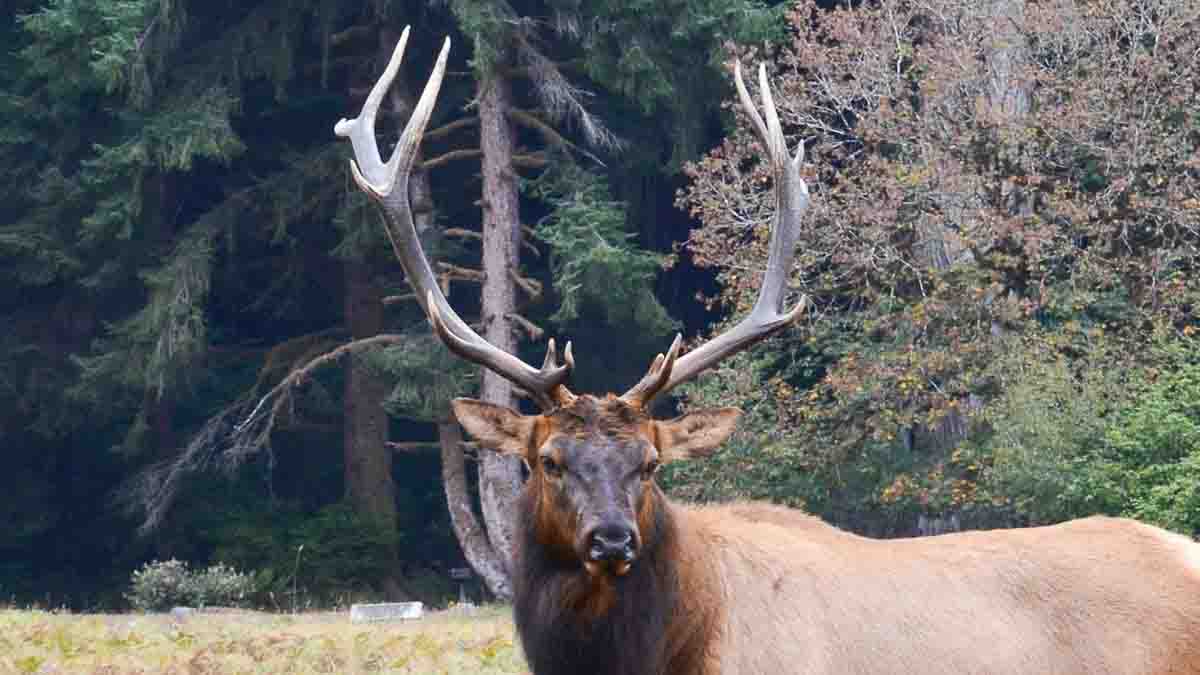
571	624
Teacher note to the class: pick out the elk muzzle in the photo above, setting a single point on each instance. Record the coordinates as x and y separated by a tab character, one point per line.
611	545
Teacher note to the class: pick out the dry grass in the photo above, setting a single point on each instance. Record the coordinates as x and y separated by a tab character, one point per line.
249	642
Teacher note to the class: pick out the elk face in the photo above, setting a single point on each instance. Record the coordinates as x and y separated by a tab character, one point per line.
592	466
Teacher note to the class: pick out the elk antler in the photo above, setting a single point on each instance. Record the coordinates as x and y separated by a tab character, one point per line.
791	200
387	184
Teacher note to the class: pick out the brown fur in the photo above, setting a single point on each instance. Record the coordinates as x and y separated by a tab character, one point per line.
1098	595
752	589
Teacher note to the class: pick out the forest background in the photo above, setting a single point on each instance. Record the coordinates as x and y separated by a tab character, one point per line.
208	352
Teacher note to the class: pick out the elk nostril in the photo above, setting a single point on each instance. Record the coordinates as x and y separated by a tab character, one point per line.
613	542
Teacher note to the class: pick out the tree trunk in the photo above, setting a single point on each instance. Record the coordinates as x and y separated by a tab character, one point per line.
499	476
1007	97
368	461
368	471
1007	55
471	536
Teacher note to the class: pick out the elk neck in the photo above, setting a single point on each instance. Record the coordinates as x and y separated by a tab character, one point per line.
571	622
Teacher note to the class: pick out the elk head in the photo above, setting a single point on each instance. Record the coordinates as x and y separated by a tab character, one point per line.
592	459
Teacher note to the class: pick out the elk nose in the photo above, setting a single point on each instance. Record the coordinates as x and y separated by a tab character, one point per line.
611	542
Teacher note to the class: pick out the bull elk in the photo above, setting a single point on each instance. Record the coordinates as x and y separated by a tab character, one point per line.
612	577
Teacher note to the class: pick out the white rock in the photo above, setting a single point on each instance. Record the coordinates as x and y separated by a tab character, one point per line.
386	611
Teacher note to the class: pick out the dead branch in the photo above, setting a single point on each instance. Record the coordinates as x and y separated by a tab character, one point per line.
288	353
532	287
353	33
530	160
411	446
547	132
527	234
414	446
224	442
151	493
456	273
447	129
453	155
463	233
534	331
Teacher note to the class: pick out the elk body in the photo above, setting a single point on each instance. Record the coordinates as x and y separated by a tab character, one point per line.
611	577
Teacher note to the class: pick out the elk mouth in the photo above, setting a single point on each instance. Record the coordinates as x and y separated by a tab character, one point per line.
617	568
610	549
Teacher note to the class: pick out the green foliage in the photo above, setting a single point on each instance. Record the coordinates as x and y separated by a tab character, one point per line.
752	464
664	58
163	584
427	377
1066	444
152	349
489	26
1157	444
594	258
221	585
1044	448
94	213
99	39
344	551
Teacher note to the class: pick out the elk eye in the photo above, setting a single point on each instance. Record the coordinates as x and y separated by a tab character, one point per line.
551	467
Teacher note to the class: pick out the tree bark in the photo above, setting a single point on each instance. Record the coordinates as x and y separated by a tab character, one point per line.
471	536
368	461
499	476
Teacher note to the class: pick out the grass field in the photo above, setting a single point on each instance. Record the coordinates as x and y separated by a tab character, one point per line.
251	642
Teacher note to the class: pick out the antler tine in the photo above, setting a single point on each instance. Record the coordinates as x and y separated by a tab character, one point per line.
369	171
767	317
387	184
561	395
654	379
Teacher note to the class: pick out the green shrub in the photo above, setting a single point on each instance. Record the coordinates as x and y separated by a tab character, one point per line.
220	585
159	585
1045	452
163	584
1074	439
1157	443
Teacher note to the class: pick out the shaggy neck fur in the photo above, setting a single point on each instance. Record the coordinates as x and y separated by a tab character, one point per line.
571	623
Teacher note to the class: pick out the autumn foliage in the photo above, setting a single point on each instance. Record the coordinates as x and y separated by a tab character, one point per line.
1004	191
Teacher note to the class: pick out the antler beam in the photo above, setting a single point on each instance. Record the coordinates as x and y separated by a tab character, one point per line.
387	184
767	317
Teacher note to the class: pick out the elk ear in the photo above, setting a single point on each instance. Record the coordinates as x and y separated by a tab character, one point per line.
495	427
696	434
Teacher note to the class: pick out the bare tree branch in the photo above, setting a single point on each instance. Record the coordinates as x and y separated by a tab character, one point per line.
562	100
453	155
549	134
532	287
224	442
534	331
456	273
447	129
